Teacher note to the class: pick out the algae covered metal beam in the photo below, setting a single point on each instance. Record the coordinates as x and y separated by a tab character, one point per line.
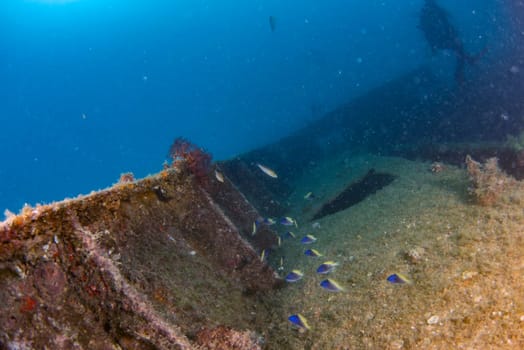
146	264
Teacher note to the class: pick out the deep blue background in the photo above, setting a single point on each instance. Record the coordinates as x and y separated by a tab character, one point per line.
94	88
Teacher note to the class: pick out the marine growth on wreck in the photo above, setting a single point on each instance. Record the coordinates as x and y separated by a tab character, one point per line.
347	176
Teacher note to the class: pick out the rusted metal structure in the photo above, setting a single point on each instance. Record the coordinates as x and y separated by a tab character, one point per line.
155	263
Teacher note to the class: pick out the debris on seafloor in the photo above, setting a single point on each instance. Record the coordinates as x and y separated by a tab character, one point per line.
437	167
488	182
355	193
155	263
509	159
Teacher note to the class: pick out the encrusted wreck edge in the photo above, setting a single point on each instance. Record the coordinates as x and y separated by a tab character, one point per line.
129	267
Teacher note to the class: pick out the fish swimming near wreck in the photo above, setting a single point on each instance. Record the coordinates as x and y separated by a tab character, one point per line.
294	276
269	172
288	221
327	267
312	253
308	239
299	321
399	278
441	34
272	23
331	285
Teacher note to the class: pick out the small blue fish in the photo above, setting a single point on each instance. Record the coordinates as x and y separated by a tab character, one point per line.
331	285
299	321
308	239
289	234
272	23
269	221
398	278
287	221
294	276
327	267
312	252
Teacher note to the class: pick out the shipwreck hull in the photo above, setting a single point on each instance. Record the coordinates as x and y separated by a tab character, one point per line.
150	264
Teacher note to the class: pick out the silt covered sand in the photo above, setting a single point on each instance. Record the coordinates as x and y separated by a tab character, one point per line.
466	262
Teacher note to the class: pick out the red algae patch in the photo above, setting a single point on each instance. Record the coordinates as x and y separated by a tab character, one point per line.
50	281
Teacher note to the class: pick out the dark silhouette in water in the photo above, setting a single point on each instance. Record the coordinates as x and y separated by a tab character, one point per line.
272	23
441	34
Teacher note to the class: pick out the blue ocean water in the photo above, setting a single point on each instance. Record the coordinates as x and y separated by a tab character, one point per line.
94	88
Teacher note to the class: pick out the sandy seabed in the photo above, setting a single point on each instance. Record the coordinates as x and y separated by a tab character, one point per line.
466	263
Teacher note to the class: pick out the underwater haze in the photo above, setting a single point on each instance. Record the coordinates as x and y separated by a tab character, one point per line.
94	88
